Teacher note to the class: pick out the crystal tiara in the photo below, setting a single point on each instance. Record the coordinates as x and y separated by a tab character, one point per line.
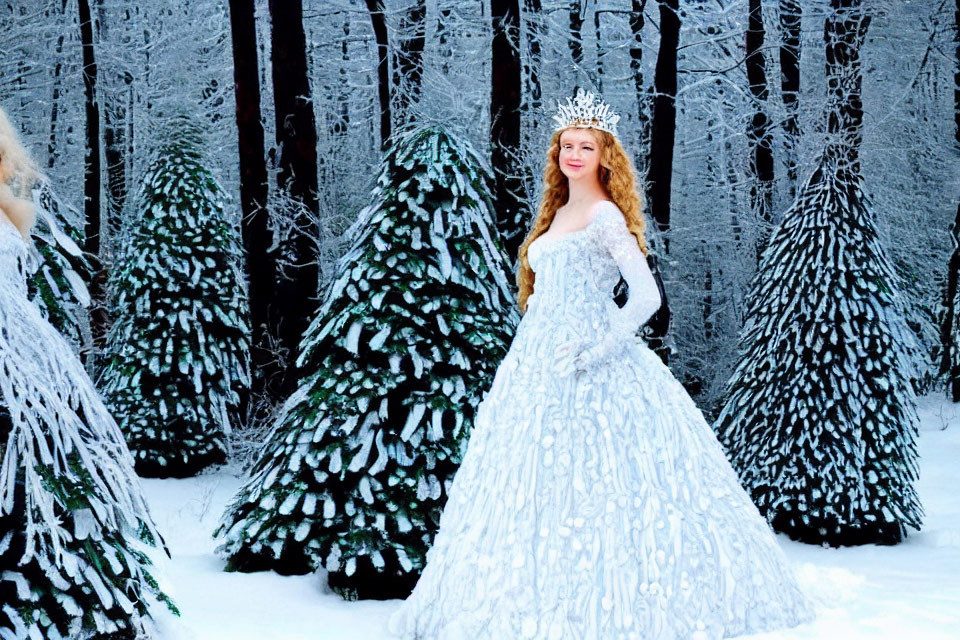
585	111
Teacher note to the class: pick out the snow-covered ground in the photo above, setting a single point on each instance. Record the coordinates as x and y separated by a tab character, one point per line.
911	591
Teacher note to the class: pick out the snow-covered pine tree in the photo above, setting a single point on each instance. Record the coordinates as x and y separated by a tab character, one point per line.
73	520
820	421
72	538
178	349
58	286
355	473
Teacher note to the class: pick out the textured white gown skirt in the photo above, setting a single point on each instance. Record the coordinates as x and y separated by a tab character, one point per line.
597	506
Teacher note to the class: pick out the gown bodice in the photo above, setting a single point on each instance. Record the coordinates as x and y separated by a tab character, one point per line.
575	277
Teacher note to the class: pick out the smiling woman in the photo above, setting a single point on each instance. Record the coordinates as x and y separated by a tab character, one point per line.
586	164
593	500
578	150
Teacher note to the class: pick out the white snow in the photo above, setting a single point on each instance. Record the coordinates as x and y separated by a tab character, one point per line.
910	591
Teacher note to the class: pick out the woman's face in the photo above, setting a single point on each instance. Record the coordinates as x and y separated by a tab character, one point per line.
579	154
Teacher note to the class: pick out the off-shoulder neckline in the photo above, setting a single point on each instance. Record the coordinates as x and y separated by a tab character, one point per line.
582	229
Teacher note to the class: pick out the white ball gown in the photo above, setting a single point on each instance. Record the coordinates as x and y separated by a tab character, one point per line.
596	504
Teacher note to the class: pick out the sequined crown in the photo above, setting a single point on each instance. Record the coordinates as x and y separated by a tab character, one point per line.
585	111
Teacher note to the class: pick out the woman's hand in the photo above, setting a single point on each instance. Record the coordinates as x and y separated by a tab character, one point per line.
564	357
578	356
596	354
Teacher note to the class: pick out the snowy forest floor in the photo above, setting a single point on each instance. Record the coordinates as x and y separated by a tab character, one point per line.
908	591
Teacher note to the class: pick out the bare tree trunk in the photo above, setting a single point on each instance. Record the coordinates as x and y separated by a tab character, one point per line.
343	118
297	175
949	362
949	357
91	178
113	84
664	117
662	132
261	268
113	148
600	49
91	173
844	35
114	153
408	65
535	49
52	153
383	70
505	123
758	133
131	102
790	14
576	33
637	22
444	46
339	118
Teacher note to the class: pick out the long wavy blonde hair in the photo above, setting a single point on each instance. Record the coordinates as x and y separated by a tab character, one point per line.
17	167
618	178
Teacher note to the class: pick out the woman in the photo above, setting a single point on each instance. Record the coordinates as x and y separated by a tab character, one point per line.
593	500
72	515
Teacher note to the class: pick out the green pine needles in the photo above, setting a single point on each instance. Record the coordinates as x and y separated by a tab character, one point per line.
87	576
178	351
58	287
356	471
821	421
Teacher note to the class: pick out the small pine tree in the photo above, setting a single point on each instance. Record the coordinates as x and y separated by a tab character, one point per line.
178	349
58	286
820	421
356	471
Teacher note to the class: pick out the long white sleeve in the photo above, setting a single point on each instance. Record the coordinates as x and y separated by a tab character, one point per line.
643	295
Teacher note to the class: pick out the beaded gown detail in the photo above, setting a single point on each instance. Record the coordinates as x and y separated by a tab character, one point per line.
596	504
